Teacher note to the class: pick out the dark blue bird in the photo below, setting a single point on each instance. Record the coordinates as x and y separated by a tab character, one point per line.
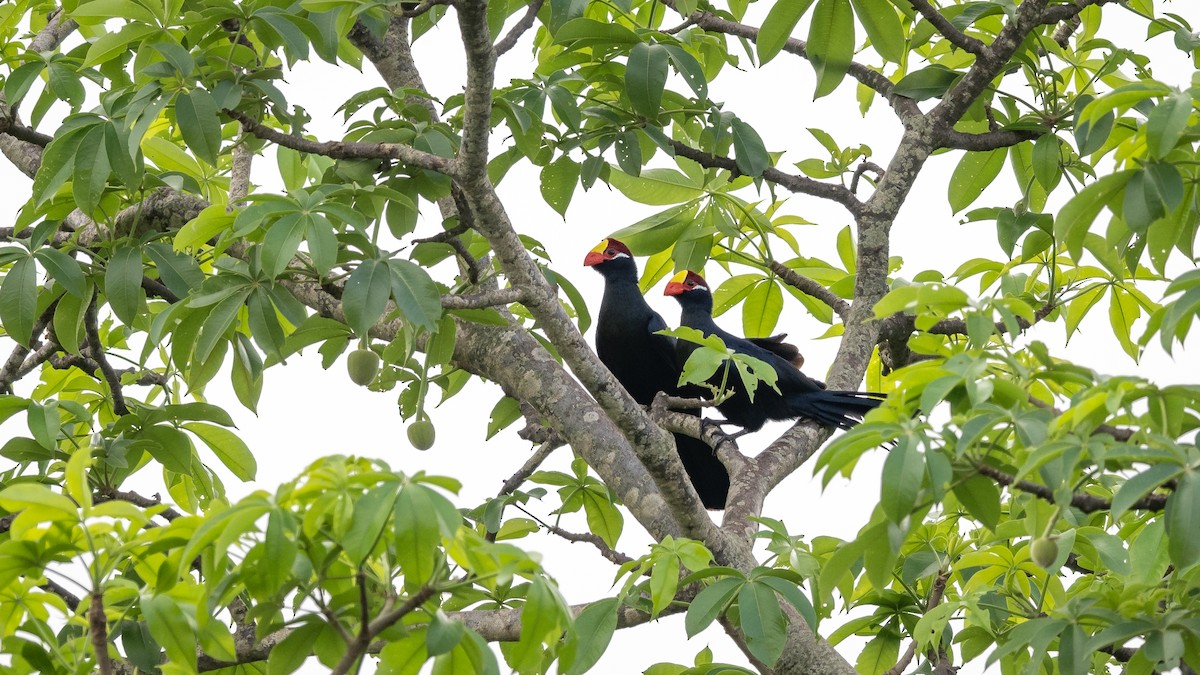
644	363
798	395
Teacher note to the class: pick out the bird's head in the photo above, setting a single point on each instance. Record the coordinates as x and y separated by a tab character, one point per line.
685	282
608	250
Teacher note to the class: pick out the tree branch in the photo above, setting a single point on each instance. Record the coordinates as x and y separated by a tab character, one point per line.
1083	502
96	348
905	108
992	140
948	30
810	288
793	183
489	298
345	149
514	34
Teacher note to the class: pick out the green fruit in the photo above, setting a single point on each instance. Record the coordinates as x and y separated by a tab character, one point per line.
363	365
1044	551
421	434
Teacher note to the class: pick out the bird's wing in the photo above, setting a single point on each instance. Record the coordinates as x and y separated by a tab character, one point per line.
785	350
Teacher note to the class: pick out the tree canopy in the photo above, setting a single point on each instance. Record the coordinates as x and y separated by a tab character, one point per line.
185	224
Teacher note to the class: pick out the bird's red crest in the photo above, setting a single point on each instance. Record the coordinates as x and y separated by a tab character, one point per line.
609	249
685	281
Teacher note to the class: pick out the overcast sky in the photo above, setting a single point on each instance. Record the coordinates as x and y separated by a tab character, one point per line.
307	413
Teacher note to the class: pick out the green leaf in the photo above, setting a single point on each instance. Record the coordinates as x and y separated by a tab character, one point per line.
1046	161
64	269
541	624
264	322
1183	521
170	446
123	283
657	187
58	160
929	82
415	293
981	497
231	450
760	312
291	652
558	181
879	19
210	222
420	518
1141	485
974	173
23	496
1166	123
748	149
831	43
199	124
178	271
778	27
171	629
217	323
371	513
68	321
603	518
90	177
903	474
1076	216
645	77
762	621
366	295
710	603
589	637
281	243
18	300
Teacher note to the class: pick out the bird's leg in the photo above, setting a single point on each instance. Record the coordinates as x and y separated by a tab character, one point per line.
722	423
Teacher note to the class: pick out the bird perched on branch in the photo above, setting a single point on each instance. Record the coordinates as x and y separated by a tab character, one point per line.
644	362
798	395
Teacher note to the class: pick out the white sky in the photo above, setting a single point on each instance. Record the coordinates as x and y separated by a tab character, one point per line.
306	413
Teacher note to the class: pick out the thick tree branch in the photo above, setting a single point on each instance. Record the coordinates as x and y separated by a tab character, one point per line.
992	140
988	65
796	184
654	446
489	298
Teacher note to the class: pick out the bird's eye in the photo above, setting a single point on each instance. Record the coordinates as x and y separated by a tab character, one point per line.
611	251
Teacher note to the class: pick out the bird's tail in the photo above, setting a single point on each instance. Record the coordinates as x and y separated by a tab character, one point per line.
841	409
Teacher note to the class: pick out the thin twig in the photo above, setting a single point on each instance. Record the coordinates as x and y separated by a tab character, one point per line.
793	183
134	498
863	167
345	149
96	349
948	30
810	288
606	551
514	34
